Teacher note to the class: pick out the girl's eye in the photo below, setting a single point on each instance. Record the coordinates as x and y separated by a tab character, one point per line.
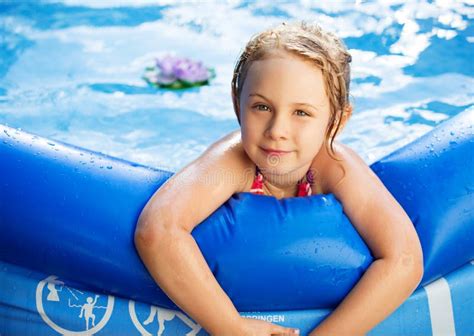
262	107
301	113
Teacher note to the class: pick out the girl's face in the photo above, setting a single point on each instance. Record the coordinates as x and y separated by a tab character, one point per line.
284	113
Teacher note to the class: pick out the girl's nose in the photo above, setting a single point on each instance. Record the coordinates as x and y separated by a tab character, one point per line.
278	128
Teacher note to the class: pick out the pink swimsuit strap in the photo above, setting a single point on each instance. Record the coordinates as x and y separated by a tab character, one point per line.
304	185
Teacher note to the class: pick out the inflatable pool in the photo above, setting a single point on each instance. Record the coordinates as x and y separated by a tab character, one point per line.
68	263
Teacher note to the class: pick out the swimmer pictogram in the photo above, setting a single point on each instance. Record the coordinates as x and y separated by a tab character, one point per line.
84	309
87	310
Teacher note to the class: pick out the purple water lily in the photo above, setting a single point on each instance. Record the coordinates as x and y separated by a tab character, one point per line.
173	68
174	72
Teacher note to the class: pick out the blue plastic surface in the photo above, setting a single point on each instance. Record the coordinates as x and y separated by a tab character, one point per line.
433	181
45	304
70	212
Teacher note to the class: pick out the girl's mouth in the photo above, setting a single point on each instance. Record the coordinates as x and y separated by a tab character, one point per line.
271	151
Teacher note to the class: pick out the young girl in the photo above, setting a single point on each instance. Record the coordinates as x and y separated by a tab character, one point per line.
290	92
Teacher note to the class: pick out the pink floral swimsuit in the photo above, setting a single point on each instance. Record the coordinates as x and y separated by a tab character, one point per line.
304	185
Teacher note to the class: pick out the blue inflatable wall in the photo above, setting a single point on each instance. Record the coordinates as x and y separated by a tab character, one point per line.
72	213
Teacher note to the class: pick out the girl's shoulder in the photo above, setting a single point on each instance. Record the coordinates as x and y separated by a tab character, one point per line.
197	190
231	161
332	169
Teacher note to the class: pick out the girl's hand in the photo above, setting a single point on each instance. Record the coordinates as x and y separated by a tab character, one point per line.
254	327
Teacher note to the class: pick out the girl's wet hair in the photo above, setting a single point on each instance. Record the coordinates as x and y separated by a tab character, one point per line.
308	41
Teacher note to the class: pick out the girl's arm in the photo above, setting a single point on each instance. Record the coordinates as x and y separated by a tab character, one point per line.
387	230
170	253
163	235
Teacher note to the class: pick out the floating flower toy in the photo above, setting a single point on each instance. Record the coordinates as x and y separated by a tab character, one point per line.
172	72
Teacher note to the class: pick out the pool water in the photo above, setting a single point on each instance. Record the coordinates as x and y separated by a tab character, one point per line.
71	70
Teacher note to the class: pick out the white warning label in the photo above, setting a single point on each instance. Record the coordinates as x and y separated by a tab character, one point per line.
268	318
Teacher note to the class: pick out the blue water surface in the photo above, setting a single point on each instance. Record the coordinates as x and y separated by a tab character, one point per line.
72	70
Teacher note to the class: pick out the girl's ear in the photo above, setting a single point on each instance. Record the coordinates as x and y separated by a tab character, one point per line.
346	114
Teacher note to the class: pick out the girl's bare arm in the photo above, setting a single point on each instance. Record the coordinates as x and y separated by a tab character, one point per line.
387	230
163	234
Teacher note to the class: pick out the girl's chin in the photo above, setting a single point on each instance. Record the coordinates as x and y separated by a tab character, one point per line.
275	170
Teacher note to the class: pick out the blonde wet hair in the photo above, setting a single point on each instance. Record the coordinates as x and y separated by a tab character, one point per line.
310	42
